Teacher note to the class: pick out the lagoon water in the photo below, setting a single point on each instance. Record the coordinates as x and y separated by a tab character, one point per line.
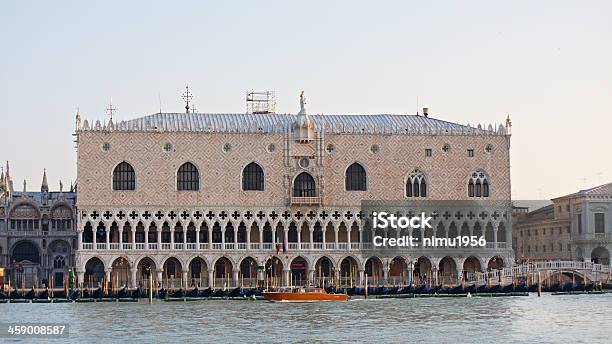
548	319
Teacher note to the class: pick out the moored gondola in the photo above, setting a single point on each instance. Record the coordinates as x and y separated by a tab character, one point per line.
30	295
234	292
205	293
15	294
98	294
178	293
43	294
482	289
521	288
121	294
219	293
470	289
192	293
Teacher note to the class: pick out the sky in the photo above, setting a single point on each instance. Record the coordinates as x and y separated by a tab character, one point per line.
545	63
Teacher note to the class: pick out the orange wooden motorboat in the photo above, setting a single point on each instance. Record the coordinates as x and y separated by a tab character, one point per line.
303	295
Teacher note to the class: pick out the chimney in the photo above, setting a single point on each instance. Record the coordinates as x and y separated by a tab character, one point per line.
425	112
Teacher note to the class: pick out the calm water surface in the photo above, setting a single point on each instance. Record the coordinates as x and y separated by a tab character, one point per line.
549	319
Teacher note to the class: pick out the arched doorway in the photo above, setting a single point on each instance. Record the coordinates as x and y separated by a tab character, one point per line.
94	273
146	269
223	272
274	272
198	275
423	271
324	272
299	271
447	271
470	266
495	263
349	272
397	271
172	275
248	272
374	270
120	273
25	264
600	255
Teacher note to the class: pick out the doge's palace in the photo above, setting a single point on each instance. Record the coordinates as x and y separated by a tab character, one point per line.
198	199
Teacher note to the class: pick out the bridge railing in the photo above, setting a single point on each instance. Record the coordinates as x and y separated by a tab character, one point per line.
527	268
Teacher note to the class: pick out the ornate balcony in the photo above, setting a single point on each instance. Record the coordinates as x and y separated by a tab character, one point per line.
305	200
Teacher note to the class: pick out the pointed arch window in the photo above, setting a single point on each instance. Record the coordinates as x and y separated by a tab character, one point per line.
416	184
478	185
252	177
188	178
304	186
355	179
124	177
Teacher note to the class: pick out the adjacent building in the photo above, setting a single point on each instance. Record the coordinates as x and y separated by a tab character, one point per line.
37	234
205	199
574	227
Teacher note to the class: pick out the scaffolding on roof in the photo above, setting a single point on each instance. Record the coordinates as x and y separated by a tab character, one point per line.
260	102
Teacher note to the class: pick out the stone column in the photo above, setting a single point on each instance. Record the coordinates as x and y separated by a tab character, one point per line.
336	229
235	234
107	274
133	281
409	273
311	274
80	240
361	281
434	271
299	237
185	231
459	275
185	275
197	238
80	279
323	233
348	237
158	236
146	234
248	236
211	278
172	238
121	238
495	228
160	275
385	273
286	238
133	230
107	235
311	230
286	277
235	277
95	239
361	237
